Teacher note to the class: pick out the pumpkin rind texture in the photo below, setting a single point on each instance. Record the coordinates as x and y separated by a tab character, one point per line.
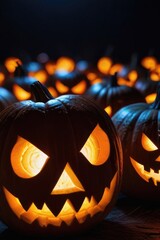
60	164
138	126
111	96
6	98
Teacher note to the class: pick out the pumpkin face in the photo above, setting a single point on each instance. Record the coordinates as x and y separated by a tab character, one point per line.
138	127
148	88
73	82
19	84
63	165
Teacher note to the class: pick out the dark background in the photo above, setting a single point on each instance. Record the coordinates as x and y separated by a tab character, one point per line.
83	29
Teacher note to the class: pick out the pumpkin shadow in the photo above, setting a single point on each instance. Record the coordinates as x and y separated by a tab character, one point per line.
105	230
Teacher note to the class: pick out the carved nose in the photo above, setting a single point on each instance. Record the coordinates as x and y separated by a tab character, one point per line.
68	182
158	159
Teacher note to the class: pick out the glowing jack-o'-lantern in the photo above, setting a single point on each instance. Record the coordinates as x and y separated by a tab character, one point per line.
111	96
68	82
19	85
147	87
138	127
61	164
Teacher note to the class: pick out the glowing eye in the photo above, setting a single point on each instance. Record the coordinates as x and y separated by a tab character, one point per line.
108	110
20	93
97	147
150	98
147	144
79	88
61	88
26	159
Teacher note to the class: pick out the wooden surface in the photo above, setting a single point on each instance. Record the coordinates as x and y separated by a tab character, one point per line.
129	220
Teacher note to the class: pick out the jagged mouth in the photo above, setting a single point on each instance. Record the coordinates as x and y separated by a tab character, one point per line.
67	214
145	175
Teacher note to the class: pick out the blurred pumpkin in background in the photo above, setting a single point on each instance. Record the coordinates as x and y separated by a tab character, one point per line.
19	84
147	86
111	96
64	82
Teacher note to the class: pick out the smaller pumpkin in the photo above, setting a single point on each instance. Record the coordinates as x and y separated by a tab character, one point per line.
111	96
147	86
138	126
19	84
64	82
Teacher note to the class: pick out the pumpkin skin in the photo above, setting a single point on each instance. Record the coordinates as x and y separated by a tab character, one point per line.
138	127
111	96
6	98
62	132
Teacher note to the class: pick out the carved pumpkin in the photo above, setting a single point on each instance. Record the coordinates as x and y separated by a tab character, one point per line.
111	96
73	82
138	126
61	164
19	84
147	87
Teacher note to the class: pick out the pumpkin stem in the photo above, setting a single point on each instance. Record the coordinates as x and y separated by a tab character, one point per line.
113	80
40	92
156	103
19	71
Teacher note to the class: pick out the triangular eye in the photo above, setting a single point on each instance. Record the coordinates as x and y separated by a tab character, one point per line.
20	93
97	147
60	87
147	144
108	110
26	159
79	88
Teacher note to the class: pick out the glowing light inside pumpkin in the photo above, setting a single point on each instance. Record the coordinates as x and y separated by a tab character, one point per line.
80	87
65	63
20	93
68	182
50	67
97	147
145	175
154	76
11	63
147	144
133	75
104	64
53	91
93	78
67	214
149	62
61	87
151	97
26	159
108	110
2	77
40	75
116	68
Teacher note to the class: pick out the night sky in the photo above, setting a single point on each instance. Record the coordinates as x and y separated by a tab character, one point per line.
83	29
